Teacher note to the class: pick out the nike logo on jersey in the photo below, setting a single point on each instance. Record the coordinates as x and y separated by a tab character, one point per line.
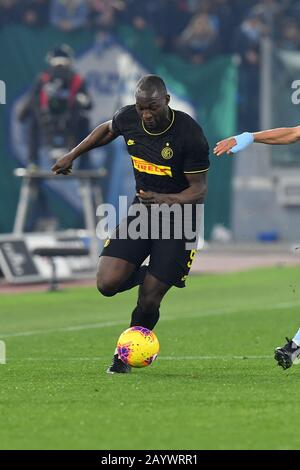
130	142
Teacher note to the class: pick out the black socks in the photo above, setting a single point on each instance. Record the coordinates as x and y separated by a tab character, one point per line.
147	320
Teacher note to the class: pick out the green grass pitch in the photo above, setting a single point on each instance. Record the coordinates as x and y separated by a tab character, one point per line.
215	384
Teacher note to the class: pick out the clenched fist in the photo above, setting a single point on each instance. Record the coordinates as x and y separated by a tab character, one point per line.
63	165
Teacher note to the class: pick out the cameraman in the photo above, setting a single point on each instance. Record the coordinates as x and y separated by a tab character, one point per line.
57	107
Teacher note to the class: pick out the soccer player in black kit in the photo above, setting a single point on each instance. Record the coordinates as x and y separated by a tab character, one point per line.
170	158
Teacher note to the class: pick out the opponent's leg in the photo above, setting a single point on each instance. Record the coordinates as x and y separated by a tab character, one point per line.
287	354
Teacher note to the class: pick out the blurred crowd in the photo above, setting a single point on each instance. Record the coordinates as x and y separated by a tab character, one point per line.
195	29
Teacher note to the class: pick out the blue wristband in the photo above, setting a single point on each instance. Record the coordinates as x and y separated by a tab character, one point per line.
242	141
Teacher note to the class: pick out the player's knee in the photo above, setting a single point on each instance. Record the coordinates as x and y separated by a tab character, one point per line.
106	287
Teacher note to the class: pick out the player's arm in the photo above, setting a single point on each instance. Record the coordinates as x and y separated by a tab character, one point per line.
101	135
195	193
279	136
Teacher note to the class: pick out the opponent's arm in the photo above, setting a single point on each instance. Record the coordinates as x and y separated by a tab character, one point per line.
101	135
279	136
195	193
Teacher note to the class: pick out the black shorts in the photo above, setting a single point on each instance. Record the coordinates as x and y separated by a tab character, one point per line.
170	259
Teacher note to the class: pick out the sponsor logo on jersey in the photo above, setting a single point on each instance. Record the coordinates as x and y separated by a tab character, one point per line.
146	167
167	152
130	142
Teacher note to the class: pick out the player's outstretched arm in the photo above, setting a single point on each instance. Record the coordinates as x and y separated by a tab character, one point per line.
234	144
279	136
101	135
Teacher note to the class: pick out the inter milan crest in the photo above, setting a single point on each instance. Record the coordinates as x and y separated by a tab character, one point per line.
167	152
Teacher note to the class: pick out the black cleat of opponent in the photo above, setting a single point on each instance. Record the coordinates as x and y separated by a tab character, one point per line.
287	355
118	366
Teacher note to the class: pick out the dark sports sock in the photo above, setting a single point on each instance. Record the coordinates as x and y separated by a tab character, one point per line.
148	320
135	279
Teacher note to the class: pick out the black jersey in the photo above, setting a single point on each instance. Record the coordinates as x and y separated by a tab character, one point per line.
162	159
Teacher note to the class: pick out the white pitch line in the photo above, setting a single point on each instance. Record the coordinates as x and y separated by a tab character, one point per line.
204	358
90	326
87	326
160	358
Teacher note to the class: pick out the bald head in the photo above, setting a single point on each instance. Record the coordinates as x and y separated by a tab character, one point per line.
151	102
150	87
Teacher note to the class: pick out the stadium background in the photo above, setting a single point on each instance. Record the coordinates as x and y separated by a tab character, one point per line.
231	64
